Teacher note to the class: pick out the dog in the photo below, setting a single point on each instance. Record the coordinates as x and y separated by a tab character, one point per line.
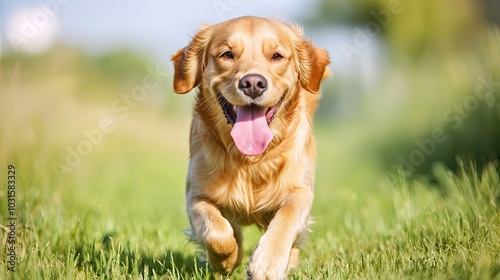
252	150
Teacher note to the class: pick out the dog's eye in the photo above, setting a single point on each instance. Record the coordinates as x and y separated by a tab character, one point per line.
277	56
228	55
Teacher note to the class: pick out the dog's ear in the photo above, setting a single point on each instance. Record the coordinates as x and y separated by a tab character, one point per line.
190	62
311	61
317	68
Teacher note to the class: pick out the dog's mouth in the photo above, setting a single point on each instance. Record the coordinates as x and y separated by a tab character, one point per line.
231	111
250	132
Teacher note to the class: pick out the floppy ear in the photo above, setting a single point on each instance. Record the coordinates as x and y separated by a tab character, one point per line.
190	62
318	61
311	61
312	66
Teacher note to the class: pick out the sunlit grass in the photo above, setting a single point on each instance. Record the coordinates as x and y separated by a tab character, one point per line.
117	212
120	213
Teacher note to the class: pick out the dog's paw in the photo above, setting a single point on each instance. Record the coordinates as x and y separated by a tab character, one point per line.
267	264
222	251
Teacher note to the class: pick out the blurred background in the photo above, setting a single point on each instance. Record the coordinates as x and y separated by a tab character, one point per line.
86	96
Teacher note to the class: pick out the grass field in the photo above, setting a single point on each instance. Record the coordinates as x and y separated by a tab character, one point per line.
115	209
120	214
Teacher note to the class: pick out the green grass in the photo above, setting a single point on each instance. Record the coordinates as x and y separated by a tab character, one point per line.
119	214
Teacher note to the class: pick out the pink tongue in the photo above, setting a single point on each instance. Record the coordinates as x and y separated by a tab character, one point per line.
250	133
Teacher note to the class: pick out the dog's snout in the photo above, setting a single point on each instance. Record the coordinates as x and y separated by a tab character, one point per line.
253	85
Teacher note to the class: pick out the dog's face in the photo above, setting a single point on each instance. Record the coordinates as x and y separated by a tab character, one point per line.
251	67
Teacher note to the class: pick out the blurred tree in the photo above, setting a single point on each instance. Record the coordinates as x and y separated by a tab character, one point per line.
122	65
442	51
410	27
353	12
492	10
429	27
75	72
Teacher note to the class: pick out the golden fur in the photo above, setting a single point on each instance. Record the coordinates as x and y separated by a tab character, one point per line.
226	189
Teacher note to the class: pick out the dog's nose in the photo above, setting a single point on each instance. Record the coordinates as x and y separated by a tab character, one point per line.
253	85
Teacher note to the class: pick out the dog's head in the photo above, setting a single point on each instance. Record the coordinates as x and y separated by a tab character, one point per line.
251	67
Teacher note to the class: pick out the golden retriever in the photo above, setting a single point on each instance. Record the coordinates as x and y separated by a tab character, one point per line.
252	150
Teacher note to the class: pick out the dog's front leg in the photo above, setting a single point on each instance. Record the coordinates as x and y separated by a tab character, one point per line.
215	233
271	256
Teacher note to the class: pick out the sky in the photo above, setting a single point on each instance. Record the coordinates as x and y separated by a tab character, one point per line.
150	26
159	28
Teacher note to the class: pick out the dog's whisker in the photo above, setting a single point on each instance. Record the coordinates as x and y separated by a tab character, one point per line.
205	102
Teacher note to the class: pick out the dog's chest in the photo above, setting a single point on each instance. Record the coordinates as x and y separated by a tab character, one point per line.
250	191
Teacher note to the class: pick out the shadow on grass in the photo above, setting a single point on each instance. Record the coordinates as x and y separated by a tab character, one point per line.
107	260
